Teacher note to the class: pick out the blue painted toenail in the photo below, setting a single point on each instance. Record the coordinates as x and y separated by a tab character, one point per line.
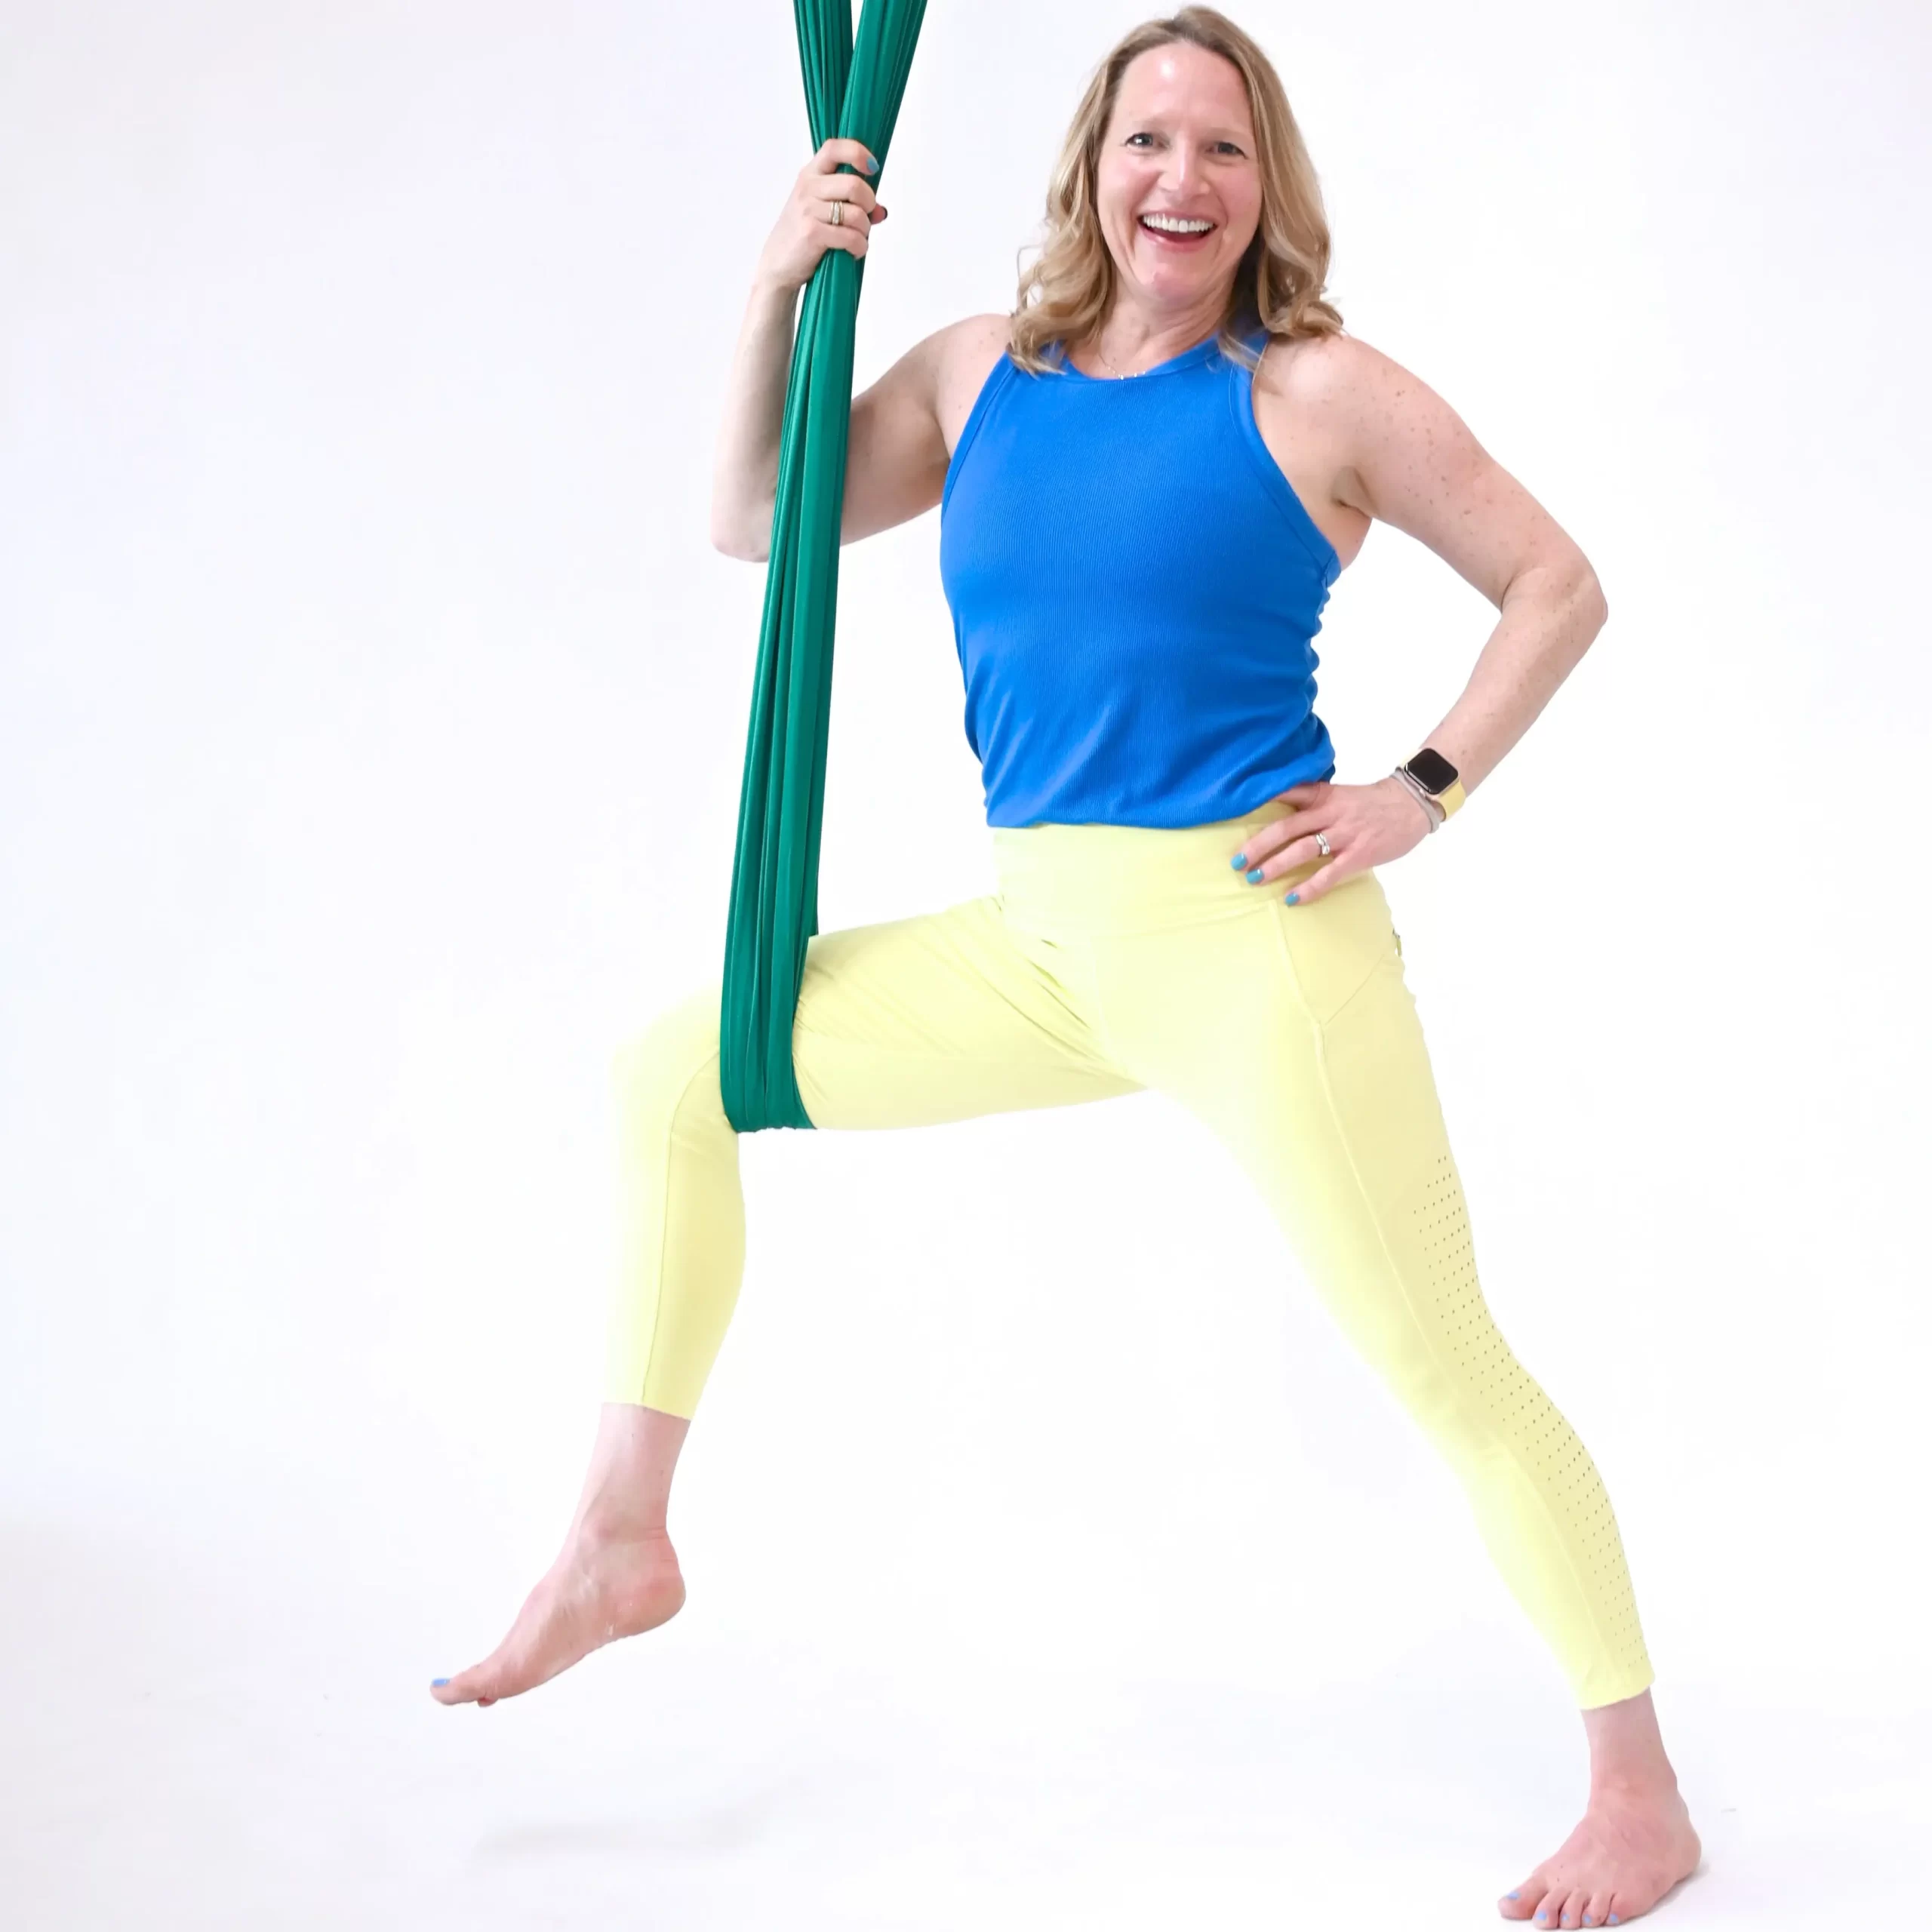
1611	1920
1512	1895
437	1683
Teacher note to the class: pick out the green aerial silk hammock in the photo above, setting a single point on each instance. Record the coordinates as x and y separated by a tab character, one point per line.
853	91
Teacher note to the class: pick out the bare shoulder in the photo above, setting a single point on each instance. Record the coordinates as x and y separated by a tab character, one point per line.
1371	412
1339	378
905	426
935	382
1396	451
963	354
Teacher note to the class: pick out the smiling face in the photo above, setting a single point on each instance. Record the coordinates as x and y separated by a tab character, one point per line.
1177	187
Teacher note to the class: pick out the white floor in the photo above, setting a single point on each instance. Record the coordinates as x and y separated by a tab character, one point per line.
229	1730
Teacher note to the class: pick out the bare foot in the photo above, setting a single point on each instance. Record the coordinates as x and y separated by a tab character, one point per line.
604	1585
1634	1844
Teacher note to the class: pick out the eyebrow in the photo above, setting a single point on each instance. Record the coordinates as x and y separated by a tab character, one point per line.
1224	131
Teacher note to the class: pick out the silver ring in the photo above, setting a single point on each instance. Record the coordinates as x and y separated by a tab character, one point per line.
1321	843
837	217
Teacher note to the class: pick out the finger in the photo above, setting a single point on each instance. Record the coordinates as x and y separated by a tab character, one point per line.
1299	849
842	188
851	235
1270	837
849	232
839	152
1323	879
847	188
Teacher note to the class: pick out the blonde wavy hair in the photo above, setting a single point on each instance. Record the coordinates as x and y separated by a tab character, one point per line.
1066	292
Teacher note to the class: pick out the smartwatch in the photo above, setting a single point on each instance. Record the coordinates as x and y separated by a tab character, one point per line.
1438	777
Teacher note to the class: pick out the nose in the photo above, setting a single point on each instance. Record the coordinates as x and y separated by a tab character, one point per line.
1183	165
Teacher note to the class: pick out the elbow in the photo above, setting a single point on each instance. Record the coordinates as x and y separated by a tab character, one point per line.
739	539
1595	601
1576	593
741	521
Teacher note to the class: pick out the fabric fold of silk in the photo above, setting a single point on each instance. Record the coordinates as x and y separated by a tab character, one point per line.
853	89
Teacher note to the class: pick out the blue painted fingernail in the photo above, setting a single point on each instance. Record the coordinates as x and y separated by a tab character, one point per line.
872	164
1294	899
1254	877
1239	859
437	1683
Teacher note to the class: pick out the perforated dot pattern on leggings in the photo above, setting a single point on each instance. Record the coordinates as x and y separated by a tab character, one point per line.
1527	1422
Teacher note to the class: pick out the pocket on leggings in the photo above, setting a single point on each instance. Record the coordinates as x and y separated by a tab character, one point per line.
1335	942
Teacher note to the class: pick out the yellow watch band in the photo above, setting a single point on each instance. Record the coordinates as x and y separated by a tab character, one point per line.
1450	798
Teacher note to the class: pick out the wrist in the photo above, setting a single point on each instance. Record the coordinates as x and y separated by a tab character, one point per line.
1433	779
1432	813
773	294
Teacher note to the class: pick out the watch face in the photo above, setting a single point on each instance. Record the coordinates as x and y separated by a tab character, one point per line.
1433	769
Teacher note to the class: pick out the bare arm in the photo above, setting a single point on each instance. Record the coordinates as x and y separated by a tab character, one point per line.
904	427
897	451
745	476
1413	462
744	482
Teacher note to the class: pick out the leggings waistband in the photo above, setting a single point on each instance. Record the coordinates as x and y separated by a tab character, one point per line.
1103	878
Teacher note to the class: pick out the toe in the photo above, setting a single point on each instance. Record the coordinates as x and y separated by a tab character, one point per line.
1596	1907
1549	1908
466	1687
1520	1903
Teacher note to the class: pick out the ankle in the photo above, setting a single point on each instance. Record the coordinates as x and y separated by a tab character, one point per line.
1633	1785
606	1524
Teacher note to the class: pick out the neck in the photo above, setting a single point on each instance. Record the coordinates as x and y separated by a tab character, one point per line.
1134	338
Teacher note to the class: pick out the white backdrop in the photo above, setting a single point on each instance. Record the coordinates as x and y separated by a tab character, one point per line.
371	720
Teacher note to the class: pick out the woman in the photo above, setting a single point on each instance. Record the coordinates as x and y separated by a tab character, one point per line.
1149	474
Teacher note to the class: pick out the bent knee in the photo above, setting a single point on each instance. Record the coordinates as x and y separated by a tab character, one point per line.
671	1068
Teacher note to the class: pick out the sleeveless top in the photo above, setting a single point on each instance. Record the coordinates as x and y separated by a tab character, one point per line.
1136	589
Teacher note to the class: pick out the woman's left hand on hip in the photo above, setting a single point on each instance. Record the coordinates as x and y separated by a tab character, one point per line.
1364	826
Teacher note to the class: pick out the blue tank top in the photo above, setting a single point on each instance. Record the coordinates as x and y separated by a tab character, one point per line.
1136	590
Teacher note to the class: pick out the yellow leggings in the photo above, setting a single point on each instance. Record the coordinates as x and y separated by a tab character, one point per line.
1113	958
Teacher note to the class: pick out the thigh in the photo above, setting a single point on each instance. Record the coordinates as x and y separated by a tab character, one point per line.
1291	1033
942	1017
